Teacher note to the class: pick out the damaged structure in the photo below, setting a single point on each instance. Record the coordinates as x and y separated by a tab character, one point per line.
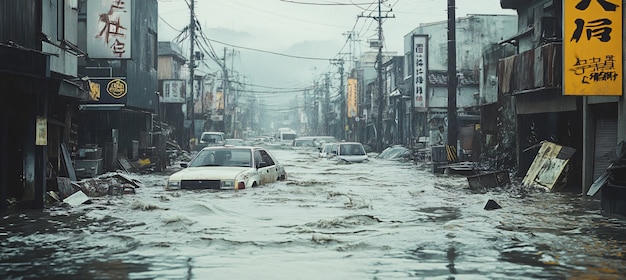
83	76
548	80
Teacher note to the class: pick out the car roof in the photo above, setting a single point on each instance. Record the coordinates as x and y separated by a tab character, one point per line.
230	147
351	143
315	137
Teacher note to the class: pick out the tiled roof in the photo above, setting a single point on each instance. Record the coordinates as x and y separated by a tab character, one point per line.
170	48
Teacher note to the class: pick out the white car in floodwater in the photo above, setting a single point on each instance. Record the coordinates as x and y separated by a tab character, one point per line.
325	150
352	152
228	167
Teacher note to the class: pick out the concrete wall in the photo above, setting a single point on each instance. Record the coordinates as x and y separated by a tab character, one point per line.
473	33
62	62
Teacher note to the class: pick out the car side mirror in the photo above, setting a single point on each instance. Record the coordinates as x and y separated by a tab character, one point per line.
184	164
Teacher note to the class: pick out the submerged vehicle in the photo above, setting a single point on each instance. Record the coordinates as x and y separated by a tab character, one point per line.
228	167
211	138
352	152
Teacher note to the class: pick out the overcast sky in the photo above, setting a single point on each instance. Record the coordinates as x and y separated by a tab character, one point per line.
308	33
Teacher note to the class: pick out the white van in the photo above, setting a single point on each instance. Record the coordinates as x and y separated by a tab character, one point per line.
211	138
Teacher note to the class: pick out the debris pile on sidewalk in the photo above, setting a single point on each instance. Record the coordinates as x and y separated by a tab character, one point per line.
109	184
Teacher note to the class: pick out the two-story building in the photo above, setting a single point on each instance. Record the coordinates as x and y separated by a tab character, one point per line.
426	73
366	120
566	82
120	38
172	90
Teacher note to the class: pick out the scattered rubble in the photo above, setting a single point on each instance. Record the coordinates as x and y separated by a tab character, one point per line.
75	192
549	167
78	192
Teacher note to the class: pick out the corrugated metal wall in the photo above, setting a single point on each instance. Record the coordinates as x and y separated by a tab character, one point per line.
20	22
605	141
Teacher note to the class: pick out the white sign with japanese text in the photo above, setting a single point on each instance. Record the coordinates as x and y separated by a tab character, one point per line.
420	70
109	29
173	91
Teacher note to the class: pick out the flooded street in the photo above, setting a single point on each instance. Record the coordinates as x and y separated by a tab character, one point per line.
376	220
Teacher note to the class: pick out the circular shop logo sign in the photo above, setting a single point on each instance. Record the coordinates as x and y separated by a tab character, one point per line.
117	88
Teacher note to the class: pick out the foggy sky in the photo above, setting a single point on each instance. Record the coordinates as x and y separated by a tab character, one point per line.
303	30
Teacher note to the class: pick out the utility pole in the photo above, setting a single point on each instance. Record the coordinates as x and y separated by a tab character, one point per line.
316	107
452	83
226	84
326	104
379	79
344	107
351	36
381	97
343	100
192	66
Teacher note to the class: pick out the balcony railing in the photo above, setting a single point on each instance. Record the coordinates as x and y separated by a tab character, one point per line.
535	69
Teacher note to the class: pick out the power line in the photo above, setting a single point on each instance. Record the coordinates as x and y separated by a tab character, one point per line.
325	4
270	52
168	24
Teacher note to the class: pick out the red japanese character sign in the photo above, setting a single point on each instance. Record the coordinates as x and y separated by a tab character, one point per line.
109	28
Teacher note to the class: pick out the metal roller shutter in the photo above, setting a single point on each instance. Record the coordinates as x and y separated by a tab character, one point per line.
605	141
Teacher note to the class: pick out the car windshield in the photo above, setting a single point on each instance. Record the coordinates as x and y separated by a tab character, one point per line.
351	150
304	143
223	157
211	138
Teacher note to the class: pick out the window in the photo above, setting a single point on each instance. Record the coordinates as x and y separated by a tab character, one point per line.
60	20
266	159
550	29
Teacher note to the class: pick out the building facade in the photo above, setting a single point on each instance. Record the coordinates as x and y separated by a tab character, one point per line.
535	78
120	38
426	65
38	75
172	90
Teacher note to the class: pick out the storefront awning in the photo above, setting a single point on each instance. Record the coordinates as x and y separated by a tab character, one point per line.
101	107
73	89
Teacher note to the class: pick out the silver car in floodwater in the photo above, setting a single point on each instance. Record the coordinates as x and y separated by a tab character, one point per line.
351	152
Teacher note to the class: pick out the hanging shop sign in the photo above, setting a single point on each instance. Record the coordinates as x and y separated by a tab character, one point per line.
420	70
109	29
592	47
352	98
108	90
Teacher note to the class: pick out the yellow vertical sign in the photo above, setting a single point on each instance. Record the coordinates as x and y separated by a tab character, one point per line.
351	100
592	47
41	134
219	100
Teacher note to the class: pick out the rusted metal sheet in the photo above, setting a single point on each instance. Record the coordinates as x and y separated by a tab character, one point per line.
532	70
548	166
